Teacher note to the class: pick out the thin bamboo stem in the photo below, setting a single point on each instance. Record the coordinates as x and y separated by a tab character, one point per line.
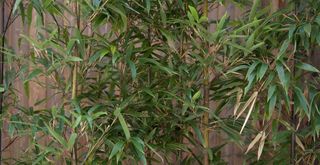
293	117
75	84
206	100
1	68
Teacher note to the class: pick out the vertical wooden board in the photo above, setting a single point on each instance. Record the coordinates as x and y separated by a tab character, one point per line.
15	149
213	16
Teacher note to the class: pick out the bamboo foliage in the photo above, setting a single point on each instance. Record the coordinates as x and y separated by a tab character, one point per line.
135	80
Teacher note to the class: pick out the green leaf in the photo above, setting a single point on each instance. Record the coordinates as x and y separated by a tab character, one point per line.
239	47
158	65
248	25
203	19
33	74
96	3
317	20
122	15
77	122
256	4
262	70
162	14
16	5
71	141
282	76
307	28
133	69
118	147
73	59
271	91
237	68
170	39
123	123
283	48
194	13
199	134
222	22
252	68
292	29
2	89
254	47
148	5
307	67
58	137
272	103
11	129
196	95
302	101
250	41
138	144
70	46
250	79
98	55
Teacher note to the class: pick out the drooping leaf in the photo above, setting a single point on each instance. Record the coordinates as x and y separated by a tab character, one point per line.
282	76
307	67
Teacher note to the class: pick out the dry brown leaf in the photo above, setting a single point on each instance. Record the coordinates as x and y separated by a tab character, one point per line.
263	139
300	144
255	94
236	107
254	141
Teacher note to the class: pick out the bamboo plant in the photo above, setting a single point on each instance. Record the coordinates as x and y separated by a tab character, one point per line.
131	82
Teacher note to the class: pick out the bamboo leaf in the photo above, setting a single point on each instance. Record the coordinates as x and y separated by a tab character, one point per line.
72	140
261	144
33	74
307	29
299	142
123	123
196	95
237	105
283	78
254	141
271	91
194	13
148	5
255	94
272	103
58	137
73	59
254	8
1	89
118	147
133	69
250	100
307	67
16	5
283	49
302	101
317	20
199	134
262	71
222	22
